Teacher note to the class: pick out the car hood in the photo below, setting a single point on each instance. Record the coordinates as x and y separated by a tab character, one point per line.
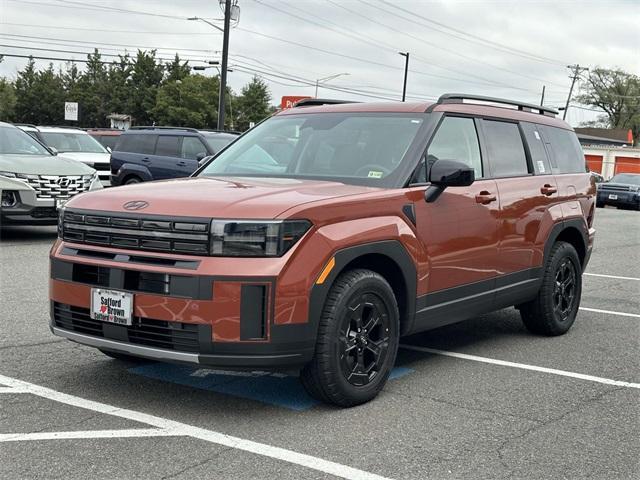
43	165
237	197
87	157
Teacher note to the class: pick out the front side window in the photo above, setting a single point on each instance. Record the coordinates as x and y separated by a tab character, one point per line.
506	150
192	147
14	141
360	148
456	139
72	142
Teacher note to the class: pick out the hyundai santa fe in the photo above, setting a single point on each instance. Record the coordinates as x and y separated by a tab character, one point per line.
320	237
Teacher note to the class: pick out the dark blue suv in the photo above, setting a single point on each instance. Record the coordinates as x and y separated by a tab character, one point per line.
156	153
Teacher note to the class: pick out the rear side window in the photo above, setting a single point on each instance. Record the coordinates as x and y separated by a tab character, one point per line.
134	143
168	146
564	149
457	139
538	154
506	150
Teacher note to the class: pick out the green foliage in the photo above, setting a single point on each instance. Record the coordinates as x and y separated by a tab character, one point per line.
7	100
252	105
618	94
143	87
190	102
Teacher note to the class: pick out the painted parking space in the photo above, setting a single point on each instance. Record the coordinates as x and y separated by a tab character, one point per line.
278	389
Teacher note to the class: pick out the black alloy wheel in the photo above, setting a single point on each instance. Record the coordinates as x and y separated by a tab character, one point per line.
564	292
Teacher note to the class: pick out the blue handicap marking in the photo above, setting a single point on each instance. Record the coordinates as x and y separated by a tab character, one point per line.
273	388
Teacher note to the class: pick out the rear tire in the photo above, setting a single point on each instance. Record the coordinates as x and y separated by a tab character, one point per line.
123	357
131	180
554	309
357	341
600	204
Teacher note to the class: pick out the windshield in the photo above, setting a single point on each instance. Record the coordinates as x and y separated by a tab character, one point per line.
72	142
14	141
218	141
360	148
626	178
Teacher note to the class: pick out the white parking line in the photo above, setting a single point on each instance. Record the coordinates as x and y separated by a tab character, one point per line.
611	276
182	429
523	366
610	312
12	390
131	433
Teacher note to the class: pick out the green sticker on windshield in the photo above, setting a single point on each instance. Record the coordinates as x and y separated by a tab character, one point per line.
375	174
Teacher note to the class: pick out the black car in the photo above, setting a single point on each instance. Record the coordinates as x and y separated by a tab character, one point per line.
623	190
155	153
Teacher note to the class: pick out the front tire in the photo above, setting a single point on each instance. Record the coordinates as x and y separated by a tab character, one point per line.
357	340
554	309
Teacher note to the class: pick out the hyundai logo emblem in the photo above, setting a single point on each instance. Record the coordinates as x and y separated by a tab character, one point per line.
135	205
64	181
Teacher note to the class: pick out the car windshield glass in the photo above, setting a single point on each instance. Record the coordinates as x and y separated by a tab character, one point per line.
14	141
360	148
626	178
72	142
218	142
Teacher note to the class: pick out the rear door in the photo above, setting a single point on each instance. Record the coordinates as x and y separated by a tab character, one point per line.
527	191
133	148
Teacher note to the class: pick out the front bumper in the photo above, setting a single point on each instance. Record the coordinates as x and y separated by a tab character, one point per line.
624	199
30	210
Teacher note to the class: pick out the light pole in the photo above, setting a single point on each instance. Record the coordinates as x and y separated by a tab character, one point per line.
406	70
225	56
326	79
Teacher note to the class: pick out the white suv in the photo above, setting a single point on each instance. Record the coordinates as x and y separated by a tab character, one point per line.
76	144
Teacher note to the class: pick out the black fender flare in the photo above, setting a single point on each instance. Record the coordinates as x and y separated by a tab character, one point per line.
392	249
560	227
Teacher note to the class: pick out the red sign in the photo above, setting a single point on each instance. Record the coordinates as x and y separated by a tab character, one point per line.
290	101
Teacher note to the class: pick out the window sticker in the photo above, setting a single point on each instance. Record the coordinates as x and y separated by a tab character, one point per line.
540	164
375	174
535	132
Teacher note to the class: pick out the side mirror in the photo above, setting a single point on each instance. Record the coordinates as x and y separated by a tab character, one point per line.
200	156
447	173
53	150
109	149
204	160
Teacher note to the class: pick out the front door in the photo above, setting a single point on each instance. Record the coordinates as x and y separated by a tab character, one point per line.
459	231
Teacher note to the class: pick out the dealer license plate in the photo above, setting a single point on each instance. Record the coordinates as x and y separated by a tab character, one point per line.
60	203
111	306
613	197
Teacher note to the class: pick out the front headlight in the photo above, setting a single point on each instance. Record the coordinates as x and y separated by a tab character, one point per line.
635	189
255	238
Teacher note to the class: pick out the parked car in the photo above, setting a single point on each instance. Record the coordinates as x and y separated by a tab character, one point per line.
385	219
108	137
76	144
622	191
156	153
34	183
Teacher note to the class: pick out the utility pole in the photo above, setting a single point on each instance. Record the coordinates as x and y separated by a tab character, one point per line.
576	70
542	98
406	70
225	58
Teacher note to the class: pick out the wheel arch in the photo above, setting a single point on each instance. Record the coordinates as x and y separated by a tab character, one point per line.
573	232
389	259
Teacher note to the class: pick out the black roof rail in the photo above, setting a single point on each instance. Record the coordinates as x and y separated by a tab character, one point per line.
311	102
186	129
523	107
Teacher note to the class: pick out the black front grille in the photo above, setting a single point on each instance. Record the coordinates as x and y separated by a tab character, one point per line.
614	188
176	235
182	337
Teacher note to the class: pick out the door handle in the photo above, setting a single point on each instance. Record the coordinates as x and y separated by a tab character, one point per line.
548	189
146	159
485	197
181	164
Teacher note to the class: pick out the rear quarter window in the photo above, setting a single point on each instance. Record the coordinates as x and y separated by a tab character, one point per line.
136	143
564	150
537	151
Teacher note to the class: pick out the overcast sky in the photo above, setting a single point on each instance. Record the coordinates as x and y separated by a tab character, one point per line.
498	48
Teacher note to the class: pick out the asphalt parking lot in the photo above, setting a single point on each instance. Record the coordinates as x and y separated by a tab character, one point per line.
479	399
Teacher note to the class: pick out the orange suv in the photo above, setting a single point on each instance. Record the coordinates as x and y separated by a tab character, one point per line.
320	237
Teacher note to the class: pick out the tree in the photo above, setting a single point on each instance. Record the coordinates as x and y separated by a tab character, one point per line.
252	105
146	78
190	102
39	96
7	100
177	70
617	93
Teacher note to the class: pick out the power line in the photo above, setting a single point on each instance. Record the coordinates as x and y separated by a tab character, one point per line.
490	43
146	32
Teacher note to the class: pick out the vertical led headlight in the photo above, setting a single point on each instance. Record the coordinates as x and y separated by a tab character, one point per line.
268	238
